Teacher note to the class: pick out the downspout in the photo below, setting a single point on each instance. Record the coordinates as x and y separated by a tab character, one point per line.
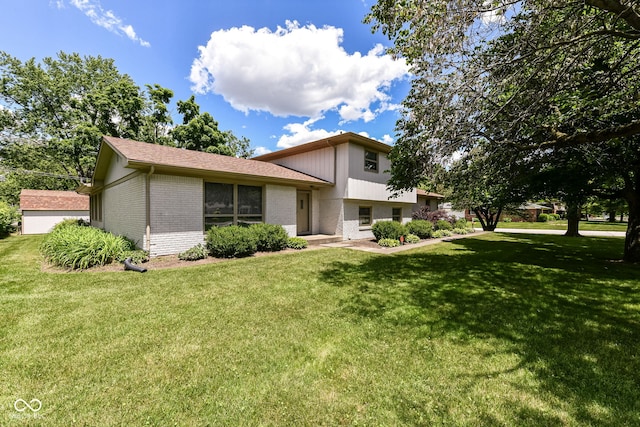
148	207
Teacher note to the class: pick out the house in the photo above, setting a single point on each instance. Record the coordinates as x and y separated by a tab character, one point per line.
427	199
42	209
165	198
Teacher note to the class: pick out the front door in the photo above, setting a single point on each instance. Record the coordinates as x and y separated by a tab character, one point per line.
302	218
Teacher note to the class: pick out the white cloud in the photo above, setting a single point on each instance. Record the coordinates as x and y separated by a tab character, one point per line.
105	19
299	133
295	71
259	151
388	139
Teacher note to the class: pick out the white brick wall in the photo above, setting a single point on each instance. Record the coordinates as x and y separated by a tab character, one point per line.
124	209
280	207
177	217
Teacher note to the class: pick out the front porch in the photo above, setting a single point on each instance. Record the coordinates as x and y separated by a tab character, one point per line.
321	239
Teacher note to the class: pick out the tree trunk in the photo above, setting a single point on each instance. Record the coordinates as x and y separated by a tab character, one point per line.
573	220
488	220
612	216
632	238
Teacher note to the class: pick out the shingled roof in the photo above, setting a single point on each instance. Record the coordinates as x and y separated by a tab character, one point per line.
50	200
141	155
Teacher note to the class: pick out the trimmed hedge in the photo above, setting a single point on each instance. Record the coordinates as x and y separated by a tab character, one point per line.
232	241
420	227
270	237
388	230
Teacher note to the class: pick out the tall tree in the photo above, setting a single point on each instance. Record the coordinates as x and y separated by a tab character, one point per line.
200	132
66	104
528	75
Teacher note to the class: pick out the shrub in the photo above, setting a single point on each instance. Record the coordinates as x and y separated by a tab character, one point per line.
80	247
388	230
471	230
460	223
412	238
269	237
297	243
438	234
506	219
231	242
459	231
8	216
432	216
554	217
389	243
420	227
443	224
70	222
543	217
193	254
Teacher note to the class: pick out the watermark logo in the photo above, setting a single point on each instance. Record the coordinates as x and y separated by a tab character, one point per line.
21	405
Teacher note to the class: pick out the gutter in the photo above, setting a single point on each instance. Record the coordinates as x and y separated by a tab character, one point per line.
148	207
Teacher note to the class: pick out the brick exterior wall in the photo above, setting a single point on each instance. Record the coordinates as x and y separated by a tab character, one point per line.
177	214
280	207
124	209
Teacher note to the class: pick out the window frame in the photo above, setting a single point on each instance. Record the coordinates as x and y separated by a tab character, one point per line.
236	217
95	207
360	216
396	217
373	162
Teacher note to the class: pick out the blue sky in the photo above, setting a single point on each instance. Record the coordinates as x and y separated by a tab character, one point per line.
279	72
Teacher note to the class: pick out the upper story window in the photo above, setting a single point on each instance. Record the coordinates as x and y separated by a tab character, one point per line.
370	161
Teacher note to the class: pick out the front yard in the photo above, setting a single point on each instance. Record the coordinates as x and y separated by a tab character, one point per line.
488	330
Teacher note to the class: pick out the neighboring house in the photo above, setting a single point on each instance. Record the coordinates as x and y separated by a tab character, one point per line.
165	199
42	209
428	199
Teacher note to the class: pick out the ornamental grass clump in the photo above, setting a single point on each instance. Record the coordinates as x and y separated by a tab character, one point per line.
231	242
79	247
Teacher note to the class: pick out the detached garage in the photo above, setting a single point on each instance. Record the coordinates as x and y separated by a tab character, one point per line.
42	209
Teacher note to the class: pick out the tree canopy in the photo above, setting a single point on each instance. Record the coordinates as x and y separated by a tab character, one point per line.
530	77
54	113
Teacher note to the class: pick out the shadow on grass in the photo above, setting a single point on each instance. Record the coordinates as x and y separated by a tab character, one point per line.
570	313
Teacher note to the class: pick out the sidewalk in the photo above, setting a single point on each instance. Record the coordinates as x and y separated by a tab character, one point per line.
559	232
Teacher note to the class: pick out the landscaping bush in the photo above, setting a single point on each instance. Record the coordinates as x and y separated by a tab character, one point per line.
543	218
471	230
432	216
420	227
195	253
438	234
231	242
297	243
389	243
459	231
80	247
270	237
506	219
388	230
412	238
460	223
443	224
554	217
8	216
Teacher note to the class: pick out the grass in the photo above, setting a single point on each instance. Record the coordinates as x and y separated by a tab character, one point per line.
492	330
562	225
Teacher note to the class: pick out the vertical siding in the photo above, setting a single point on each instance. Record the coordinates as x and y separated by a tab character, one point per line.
177	216
123	210
318	163
280	207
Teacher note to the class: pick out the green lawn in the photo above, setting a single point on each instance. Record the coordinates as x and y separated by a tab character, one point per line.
562	225
491	330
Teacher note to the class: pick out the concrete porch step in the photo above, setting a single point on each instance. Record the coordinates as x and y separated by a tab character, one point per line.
321	239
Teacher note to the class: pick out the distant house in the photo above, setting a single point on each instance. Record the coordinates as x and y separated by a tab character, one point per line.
165	199
427	199
42	209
